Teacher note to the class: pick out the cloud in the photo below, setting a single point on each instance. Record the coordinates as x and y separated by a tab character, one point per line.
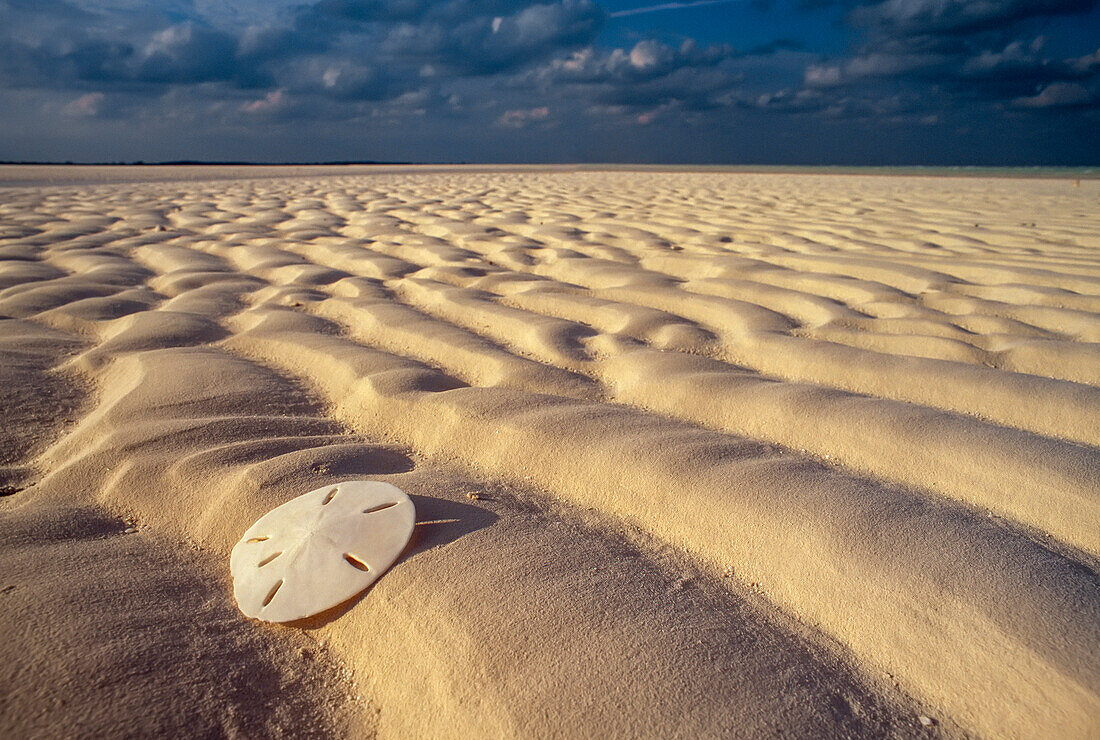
341	79
490	44
424	71
648	55
519	118
1000	72
954	53
346	50
126	52
649	75
960	16
184	54
84	106
266	104
464	36
1086	64
790	101
1058	95
646	60
822	75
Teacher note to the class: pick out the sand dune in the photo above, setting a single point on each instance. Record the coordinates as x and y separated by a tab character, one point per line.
693	453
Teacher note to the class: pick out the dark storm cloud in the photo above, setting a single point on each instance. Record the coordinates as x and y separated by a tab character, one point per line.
478	36
59	45
182	54
959	16
488	44
177	55
371	50
916	17
341	45
648	76
491	70
958	51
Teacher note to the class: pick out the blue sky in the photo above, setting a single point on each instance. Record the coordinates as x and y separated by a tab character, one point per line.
865	82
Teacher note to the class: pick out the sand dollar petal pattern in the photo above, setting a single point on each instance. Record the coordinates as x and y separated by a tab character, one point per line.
320	549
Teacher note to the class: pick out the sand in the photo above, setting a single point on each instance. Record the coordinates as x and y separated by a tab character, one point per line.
693	453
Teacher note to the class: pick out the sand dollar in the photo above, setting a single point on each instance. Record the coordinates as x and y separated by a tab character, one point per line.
320	549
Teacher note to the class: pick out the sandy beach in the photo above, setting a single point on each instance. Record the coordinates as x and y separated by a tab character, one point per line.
693	454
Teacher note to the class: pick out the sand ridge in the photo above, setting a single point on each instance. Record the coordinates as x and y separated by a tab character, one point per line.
870	400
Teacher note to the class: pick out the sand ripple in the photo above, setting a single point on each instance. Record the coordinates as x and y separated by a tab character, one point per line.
862	413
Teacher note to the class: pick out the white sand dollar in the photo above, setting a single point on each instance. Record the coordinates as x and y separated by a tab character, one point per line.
320	549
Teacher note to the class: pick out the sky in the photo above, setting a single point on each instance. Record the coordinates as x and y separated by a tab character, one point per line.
780	82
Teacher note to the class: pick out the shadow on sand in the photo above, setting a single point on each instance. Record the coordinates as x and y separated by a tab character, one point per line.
439	522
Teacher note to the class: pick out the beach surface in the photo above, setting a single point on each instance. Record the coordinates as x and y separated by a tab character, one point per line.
693	454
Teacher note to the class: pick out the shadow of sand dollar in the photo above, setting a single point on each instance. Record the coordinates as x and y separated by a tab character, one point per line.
439	523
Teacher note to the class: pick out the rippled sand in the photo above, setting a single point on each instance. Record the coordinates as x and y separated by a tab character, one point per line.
693	453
